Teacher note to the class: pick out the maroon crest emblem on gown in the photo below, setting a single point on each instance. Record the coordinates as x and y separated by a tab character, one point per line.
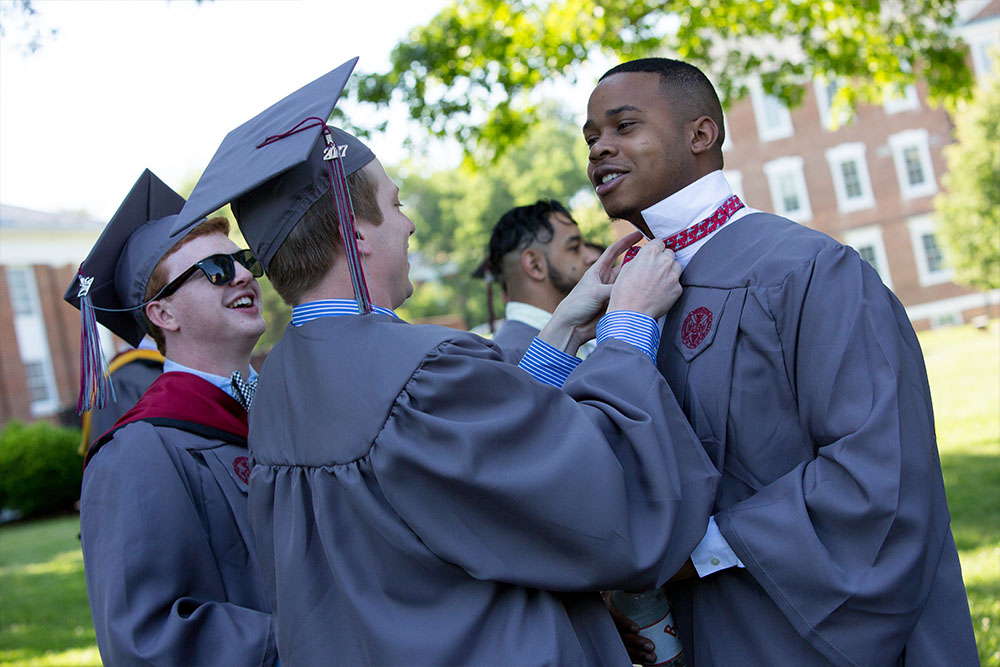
696	326
241	466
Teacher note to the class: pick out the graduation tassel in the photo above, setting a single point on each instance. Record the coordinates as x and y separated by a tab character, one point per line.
342	201
95	378
345	215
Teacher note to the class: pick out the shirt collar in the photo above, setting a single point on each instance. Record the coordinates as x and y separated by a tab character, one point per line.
222	382
689	205
307	312
533	316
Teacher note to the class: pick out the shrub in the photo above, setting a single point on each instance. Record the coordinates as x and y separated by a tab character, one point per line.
40	469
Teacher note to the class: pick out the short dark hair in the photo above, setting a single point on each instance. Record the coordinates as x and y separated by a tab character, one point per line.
688	87
520	227
306	254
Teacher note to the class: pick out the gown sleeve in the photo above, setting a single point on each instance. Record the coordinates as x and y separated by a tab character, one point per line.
852	538
156	593
600	485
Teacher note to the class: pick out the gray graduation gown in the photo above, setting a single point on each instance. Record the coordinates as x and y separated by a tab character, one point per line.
165	538
416	500
803	378
514	338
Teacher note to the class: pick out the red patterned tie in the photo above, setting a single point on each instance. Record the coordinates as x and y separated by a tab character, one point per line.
697	231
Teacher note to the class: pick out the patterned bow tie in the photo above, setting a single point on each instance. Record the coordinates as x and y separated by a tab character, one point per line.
243	390
683	239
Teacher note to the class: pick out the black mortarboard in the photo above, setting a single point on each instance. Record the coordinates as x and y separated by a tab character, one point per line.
120	263
276	165
110	285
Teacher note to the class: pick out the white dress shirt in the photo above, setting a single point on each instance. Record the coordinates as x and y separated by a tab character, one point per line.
537	318
677	212
691	205
223	383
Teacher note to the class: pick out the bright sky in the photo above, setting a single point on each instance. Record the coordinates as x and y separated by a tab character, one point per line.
126	85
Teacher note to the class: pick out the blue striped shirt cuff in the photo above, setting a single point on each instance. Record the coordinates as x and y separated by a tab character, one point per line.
635	328
547	364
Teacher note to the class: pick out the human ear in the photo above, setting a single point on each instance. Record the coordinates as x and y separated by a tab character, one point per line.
161	314
362	240
533	264
704	134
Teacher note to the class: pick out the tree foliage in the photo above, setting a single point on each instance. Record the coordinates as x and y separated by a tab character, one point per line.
454	210
471	71
969	210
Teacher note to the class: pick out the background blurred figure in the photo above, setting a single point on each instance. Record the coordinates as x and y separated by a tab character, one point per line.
537	254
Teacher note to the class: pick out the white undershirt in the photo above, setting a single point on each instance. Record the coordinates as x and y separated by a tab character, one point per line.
537	318
688	206
691	205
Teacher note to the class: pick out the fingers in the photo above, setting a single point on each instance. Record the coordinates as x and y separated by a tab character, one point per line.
620	246
649	284
605	267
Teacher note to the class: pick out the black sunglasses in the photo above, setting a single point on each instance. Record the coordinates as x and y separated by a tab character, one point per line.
218	269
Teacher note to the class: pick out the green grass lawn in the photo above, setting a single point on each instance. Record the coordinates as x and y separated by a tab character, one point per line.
44	617
45	620
963	365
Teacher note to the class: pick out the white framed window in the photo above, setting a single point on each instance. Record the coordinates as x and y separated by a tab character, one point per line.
946	320
983	57
831	119
851	181
787	183
983	38
38	388
773	118
22	292
735	180
911	156
870	245
32	342
897	99
932	264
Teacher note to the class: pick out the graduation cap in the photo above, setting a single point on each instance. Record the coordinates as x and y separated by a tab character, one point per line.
110	285
275	166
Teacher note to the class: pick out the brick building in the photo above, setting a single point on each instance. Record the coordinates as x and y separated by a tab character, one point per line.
868	180
39	332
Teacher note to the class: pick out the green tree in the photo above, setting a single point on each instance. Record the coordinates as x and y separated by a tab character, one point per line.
969	209
471	72
454	210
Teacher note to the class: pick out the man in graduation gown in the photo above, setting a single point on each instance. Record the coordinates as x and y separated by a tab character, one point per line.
799	371
537	254
416	500
171	572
